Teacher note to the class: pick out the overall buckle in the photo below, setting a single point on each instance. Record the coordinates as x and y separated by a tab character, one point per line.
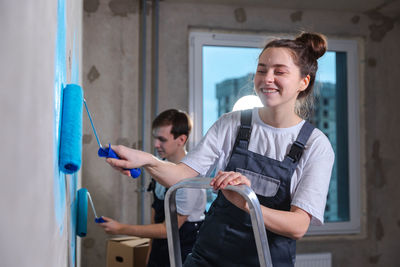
296	151
244	133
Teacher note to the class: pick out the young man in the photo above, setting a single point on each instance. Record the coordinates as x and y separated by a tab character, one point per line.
171	130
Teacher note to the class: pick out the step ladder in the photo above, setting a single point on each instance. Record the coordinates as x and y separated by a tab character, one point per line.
171	220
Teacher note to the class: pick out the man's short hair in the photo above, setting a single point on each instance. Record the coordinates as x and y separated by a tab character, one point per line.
180	121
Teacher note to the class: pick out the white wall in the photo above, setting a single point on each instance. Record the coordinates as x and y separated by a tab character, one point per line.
30	234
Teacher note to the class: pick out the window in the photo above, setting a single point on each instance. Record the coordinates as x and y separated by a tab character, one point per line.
221	72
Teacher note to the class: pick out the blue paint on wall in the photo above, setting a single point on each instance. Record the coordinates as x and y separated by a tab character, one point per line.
59	83
75	62
60	80
74	210
74	178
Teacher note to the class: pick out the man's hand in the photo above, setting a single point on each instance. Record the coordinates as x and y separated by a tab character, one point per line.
155	230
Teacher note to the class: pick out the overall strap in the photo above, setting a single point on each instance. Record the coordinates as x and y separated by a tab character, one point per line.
298	146
244	133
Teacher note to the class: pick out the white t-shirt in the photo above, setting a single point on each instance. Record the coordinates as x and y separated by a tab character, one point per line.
310	181
190	202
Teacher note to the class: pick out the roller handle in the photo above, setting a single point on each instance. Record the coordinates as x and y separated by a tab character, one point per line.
109	153
99	220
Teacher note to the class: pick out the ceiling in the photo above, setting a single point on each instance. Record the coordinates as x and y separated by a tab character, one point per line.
387	7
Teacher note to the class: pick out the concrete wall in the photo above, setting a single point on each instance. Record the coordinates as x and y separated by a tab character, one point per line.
32	233
111	79
111	83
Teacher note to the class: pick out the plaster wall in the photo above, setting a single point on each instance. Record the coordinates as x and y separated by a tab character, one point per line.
111	82
32	234
111	44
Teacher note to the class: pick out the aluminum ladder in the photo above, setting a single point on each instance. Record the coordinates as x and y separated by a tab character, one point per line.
171	220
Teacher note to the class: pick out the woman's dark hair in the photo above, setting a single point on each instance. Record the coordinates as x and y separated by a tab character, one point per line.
305	49
180	121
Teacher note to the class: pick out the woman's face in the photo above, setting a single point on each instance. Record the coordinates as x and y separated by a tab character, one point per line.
277	81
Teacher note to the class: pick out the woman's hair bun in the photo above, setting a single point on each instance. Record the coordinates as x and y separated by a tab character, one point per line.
316	43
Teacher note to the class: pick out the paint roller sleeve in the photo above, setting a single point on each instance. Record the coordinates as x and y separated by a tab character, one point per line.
71	129
82	210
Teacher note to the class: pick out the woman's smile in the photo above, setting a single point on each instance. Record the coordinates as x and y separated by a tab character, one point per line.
269	90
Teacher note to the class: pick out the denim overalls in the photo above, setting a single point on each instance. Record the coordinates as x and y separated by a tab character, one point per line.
226	237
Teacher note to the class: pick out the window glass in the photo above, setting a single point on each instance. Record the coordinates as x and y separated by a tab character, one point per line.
330	116
227	76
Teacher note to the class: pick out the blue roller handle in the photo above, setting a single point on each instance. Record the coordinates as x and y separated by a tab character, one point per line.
99	220
109	153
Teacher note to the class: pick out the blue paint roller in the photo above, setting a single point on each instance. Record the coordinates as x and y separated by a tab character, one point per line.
107	152
70	156
81	224
81	227
71	133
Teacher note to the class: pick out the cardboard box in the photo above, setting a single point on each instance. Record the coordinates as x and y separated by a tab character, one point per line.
127	251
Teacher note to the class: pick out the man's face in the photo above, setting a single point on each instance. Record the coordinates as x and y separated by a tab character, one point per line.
164	142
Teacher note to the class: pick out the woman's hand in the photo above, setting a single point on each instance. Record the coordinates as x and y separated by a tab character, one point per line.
166	173
129	159
223	179
111	226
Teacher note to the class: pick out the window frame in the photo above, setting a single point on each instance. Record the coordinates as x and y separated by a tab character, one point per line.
198	39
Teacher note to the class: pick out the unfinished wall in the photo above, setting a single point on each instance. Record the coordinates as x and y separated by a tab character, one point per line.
111	83
111	79
35	198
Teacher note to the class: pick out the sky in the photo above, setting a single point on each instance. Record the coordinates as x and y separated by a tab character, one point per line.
221	63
